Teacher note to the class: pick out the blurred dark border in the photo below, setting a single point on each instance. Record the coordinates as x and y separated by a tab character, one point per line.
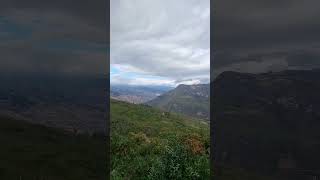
108	89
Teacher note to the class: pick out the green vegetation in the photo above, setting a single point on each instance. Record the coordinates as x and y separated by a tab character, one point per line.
31	151
191	100
150	144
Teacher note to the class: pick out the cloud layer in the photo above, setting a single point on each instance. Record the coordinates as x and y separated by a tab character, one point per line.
53	37
258	36
166	39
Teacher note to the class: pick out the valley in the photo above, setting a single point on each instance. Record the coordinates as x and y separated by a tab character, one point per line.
69	103
52	127
136	94
189	100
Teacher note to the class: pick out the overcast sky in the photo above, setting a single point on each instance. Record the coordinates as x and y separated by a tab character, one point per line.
266	35
160	42
53	37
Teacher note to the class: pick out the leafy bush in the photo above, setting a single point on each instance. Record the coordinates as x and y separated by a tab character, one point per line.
178	163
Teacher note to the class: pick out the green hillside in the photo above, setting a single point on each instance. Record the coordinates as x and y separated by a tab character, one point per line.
190	100
31	151
150	144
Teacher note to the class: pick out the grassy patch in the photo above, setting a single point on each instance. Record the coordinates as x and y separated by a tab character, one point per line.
36	152
149	144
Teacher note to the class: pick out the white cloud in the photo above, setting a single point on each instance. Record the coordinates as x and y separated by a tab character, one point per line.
170	39
117	79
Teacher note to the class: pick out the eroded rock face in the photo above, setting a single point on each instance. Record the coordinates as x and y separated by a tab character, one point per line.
261	116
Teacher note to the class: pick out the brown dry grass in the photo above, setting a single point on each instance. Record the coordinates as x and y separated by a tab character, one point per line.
195	144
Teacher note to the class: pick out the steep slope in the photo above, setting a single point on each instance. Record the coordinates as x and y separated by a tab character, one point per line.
191	100
266	120
148	143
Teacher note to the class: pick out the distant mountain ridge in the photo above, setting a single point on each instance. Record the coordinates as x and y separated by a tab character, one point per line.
191	100
61	102
136	94
265	119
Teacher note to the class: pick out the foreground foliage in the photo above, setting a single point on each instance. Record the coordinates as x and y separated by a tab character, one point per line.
31	151
150	144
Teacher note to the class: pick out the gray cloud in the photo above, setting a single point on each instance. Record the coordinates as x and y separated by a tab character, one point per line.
162	38
93	13
266	30
56	37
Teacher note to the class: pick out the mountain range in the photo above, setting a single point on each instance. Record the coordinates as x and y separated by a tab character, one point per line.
136	94
268	122
61	102
190	100
47	124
